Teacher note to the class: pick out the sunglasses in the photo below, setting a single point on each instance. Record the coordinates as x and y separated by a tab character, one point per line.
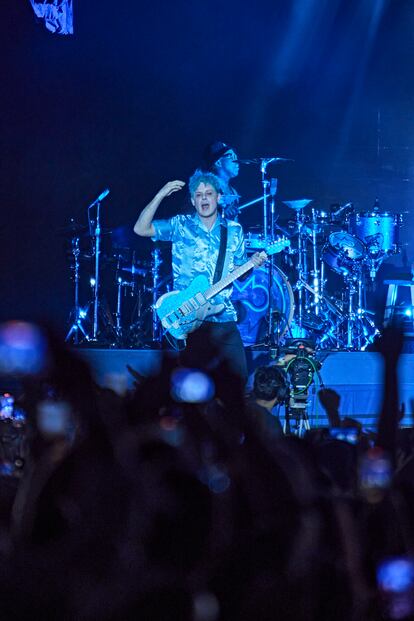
230	156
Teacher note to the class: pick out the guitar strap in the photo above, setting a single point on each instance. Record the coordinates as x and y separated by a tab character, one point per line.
222	252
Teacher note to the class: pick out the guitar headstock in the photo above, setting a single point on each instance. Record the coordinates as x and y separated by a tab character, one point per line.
277	246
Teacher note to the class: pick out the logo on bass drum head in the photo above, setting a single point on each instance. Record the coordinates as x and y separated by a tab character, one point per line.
251	300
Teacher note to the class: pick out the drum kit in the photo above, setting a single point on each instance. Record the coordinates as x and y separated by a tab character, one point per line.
317	290
118	311
332	258
120	290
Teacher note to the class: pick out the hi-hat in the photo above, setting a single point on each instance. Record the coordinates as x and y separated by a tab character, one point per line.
298	204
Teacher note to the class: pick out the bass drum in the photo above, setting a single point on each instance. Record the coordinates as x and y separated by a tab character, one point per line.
251	300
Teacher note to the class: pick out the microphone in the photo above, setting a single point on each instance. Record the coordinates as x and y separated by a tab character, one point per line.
102	195
100	198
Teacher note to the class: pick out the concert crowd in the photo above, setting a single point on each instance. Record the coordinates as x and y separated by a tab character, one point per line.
175	501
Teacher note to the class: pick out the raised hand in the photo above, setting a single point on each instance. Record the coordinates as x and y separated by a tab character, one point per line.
171	187
329	399
390	343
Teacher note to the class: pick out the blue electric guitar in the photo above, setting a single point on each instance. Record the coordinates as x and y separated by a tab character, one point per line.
182	312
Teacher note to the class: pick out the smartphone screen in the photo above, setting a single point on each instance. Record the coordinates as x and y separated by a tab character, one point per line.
22	348
191	386
395	579
346	434
374	474
53	417
6	406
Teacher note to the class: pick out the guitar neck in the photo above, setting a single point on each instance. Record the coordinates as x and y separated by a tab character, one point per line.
227	280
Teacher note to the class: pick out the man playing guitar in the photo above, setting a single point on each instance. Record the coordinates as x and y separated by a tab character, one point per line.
196	241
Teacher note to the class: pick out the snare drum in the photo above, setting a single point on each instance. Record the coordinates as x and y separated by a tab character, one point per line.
343	252
379	231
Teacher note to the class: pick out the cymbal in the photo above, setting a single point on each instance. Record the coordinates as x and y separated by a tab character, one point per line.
79	230
298	204
134	269
72	230
264	160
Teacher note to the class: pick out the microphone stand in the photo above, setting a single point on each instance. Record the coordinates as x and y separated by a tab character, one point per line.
97	236
265	184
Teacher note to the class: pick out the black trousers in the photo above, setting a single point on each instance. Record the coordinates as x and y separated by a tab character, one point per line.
220	341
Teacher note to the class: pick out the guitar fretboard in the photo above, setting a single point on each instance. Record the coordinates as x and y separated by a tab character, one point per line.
227	280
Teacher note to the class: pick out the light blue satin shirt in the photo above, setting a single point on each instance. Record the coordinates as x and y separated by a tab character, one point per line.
195	251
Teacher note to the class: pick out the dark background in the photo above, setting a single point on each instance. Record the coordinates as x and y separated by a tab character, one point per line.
131	99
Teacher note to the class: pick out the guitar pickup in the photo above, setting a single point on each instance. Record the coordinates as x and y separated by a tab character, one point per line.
189	306
199	297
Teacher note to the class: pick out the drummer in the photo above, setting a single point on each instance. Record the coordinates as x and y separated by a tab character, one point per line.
221	159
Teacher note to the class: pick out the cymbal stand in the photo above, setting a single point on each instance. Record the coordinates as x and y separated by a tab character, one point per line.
119	285
156	332
373	264
352	290
265	185
273	316
315	271
302	267
124	335
357	336
76	327
97	271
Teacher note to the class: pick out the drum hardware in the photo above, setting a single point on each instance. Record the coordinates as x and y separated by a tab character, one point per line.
302	263
156	328
128	333
354	330
253	202
259	241
120	283
315	271
373	265
77	313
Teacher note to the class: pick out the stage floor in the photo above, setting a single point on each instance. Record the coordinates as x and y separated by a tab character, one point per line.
356	376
